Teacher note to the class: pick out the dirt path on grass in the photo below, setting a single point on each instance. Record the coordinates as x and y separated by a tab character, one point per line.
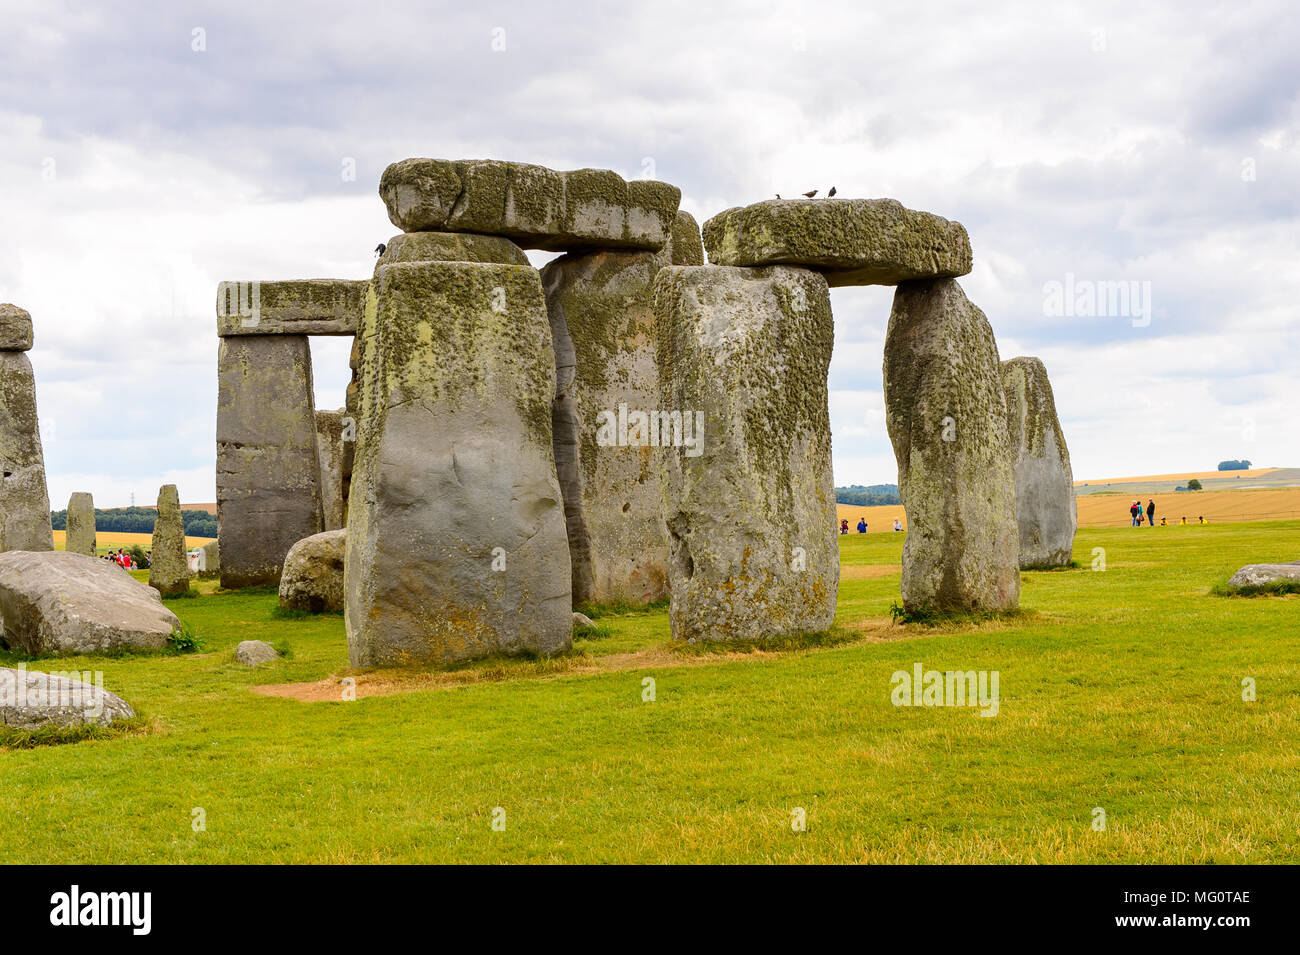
388	682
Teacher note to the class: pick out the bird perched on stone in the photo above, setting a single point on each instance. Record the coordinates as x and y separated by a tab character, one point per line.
811	194
831	193
379	249
778	195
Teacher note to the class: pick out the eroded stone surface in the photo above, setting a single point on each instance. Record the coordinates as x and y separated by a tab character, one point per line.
330	432
850	241
601	308
456	542
539	208
61	602
31	700
15	328
169	571
750	508
251	653
80	533
451	247
313	573
1045	507
268	482
687	246
293	307
947	420
1260	575
24	500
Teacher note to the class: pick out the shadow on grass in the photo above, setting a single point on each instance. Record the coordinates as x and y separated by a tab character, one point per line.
620	608
950	619
814	640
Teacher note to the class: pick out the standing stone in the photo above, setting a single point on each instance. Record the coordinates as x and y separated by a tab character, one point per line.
80	534
24	500
210	560
601	307
456	543
947	420
1045	507
268	481
329	449
747	490
169	571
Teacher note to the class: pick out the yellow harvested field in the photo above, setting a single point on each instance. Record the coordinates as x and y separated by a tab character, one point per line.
1111	510
1275	503
1185	476
106	539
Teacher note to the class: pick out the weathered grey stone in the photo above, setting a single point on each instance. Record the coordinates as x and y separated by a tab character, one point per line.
451	247
268	481
251	653
31	700
947	420
850	241
80	527
61	602
601	308
24	500
294	307
313	573
1045	508
749	501
582	620
1260	575
330	432
169	570
210	565
15	328
537	207
687	247
456	541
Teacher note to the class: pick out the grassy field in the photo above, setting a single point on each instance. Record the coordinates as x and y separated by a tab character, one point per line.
1120	689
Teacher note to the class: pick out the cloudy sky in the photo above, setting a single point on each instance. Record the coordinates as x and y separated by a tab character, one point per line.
150	150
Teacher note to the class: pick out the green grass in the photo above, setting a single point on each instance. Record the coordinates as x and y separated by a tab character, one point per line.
1120	689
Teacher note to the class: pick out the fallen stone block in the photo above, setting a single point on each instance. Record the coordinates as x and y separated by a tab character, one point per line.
313	573
31	700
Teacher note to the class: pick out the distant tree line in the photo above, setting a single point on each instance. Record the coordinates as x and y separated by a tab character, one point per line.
860	496
1234	465
139	520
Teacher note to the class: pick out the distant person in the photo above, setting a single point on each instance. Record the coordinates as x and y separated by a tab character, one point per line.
1183	521
844	526
862	525
1134	511
1201	520
1163	522
898	525
1151	511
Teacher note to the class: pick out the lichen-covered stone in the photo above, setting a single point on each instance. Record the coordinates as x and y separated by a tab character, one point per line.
1045	507
210	560
268	482
60	602
456	542
312	579
15	328
451	247
750	508
80	534
687	246
31	700
1262	575
850	241
947	419
329	450
294	307
169	571
537	207
601	307
24	499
